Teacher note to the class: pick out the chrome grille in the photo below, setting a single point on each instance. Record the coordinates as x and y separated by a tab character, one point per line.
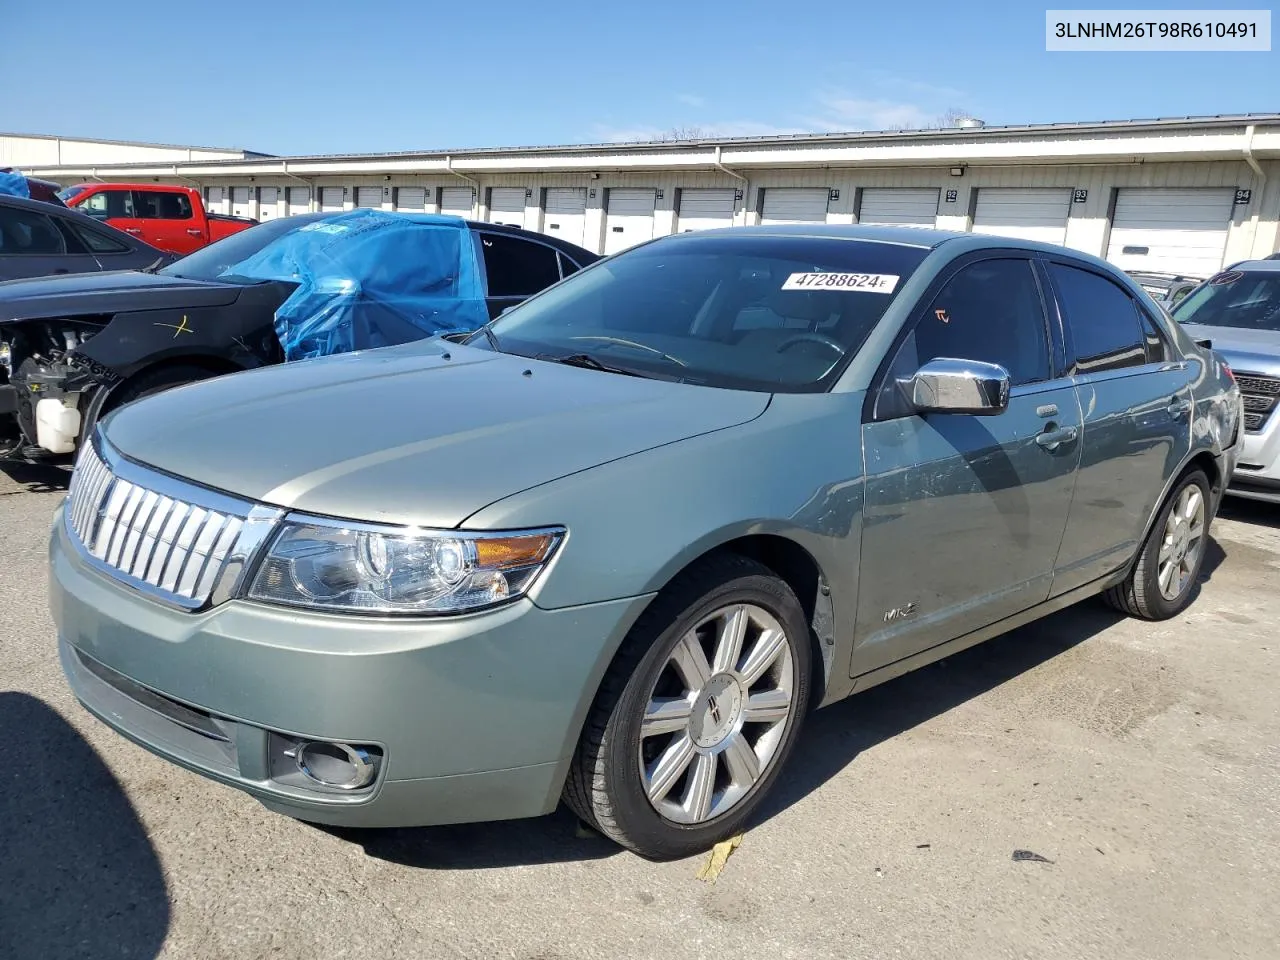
1259	396
173	545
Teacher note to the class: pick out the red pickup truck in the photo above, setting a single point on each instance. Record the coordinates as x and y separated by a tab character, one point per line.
171	218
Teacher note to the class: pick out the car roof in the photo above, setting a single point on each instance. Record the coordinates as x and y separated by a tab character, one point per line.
1261	266
41	206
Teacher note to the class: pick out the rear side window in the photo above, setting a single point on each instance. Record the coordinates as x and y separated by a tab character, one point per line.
109	203
96	241
567	266
1103	320
989	311
517	268
159	205
25	233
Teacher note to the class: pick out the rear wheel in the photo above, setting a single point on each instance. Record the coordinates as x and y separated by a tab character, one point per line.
697	714
1162	581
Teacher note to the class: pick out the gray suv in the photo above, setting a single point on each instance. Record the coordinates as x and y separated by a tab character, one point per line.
616	545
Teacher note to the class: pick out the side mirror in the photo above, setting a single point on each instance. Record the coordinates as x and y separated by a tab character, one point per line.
959	386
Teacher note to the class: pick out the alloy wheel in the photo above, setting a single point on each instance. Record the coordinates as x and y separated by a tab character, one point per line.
717	714
1183	541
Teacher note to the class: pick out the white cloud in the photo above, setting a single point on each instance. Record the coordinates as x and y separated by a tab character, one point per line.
728	128
856	113
691	99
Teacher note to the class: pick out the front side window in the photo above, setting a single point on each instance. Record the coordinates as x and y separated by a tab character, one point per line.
990	311
755	313
161	205
25	233
517	268
1103	319
1245	299
107	204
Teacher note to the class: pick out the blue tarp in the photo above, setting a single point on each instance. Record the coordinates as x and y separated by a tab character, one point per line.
13	184
371	279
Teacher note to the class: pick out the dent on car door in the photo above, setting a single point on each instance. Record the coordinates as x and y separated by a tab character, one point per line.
1136	396
964	514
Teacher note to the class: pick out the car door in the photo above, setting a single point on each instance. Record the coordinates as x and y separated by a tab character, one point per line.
168	220
515	269
963	515
1137	401
31	245
114	207
111	249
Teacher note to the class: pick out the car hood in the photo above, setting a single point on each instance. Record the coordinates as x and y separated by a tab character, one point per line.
423	434
107	293
1248	351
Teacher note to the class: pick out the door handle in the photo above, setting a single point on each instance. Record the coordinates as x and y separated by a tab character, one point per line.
194	231
1179	407
1053	436
132	229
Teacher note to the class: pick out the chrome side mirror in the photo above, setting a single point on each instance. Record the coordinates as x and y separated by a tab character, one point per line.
959	386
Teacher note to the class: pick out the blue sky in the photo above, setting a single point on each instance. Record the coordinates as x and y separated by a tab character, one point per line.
329	77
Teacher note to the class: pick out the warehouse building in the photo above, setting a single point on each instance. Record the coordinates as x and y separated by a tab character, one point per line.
1181	195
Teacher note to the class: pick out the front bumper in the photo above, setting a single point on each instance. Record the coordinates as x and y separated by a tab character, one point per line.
1257	472
477	716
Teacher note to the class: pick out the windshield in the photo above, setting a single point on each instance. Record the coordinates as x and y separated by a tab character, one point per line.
1245	299
207	263
749	312
66	194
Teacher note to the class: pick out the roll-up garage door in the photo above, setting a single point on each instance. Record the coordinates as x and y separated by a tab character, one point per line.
299	200
370	197
331	198
506	205
705	209
566	213
411	199
1026	214
899	206
794	205
267	198
240	201
628	218
214	201
457	201
1170	231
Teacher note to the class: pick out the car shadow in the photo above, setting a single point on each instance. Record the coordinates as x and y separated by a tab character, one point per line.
1250	511
78	875
38	477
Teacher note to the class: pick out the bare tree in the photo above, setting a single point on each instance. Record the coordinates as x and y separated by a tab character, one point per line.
682	133
948	119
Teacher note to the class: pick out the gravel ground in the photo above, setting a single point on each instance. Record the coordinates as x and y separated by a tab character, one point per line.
1139	761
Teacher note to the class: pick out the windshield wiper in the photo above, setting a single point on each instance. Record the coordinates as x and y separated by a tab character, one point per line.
638	346
491	337
586	361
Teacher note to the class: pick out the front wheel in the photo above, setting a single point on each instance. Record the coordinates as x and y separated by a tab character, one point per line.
697	714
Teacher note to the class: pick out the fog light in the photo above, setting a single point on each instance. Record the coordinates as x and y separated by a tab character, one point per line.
337	765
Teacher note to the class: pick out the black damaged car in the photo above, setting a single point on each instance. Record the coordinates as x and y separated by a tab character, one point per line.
94	342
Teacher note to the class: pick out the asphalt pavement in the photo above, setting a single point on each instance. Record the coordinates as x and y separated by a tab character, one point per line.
1136	766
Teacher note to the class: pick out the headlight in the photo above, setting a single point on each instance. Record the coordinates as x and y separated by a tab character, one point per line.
369	569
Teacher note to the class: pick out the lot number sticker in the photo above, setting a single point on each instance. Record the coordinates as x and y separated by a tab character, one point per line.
865	282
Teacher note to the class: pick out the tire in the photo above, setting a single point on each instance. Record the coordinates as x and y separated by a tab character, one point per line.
151	382
616	769
1144	593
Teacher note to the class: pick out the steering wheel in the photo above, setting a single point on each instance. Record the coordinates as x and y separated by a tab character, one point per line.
819	338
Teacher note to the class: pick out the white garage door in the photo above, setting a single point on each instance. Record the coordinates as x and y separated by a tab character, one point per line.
457	201
299	200
1025	214
1171	231
705	209
214	201
628	219
899	207
506	205
331	198
267	197
240	201
411	199
794	205
370	197
566	213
